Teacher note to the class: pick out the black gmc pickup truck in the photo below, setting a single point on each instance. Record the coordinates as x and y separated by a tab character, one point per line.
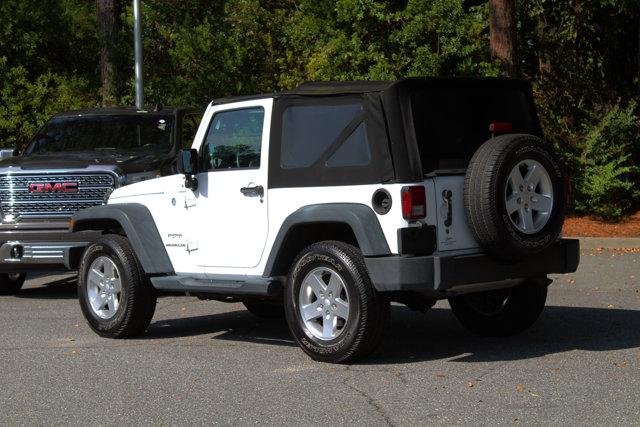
74	162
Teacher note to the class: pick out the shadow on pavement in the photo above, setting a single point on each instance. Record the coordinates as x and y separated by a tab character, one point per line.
235	326
437	335
59	289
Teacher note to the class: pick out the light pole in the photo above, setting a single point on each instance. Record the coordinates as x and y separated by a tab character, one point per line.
137	42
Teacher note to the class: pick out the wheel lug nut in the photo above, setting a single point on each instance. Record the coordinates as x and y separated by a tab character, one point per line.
519	200
522	188
334	306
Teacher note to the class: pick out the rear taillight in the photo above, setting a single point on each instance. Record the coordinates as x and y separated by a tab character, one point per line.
414	202
501	127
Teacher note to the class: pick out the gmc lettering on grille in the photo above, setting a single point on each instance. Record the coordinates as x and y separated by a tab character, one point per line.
53	187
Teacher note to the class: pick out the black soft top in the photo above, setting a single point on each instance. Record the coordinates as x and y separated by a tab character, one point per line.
415	126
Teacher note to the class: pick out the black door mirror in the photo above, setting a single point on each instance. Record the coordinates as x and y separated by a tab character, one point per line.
188	166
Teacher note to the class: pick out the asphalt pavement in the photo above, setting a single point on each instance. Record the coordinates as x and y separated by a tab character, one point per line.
205	362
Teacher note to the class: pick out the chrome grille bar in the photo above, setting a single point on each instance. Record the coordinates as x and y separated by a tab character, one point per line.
16	200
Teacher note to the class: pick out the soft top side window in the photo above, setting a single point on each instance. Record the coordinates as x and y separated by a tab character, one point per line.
234	139
334	135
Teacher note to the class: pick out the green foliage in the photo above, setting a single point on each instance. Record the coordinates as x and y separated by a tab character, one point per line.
581	55
27	103
607	184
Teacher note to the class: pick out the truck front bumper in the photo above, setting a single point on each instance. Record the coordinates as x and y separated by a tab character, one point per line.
443	275
22	251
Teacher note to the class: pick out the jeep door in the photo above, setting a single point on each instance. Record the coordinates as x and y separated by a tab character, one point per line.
232	185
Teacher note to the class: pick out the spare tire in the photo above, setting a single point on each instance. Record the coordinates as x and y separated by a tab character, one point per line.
514	196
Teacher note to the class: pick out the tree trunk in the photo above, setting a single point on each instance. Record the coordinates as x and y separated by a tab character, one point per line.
502	26
107	14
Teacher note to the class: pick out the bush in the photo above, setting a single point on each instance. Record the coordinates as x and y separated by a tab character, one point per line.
27	102
607	172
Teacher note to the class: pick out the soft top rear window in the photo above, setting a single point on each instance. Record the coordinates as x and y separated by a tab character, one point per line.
451	123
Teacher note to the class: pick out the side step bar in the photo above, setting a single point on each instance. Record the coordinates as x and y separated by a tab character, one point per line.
254	287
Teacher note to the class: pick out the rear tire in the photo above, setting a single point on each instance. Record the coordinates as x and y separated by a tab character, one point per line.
116	297
502	312
264	309
11	283
328	280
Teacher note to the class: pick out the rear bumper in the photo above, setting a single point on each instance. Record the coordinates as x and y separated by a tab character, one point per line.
24	251
467	273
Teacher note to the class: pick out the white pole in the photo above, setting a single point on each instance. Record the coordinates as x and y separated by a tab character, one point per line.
137	41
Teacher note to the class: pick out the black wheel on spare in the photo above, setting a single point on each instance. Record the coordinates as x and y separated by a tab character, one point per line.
265	309
332	309
116	297
514	196
502	312
11	283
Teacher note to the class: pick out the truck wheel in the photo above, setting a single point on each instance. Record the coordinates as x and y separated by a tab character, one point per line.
264	309
332	309
514	196
502	312
116	297
11	283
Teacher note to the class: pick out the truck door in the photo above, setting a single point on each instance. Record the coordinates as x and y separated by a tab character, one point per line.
232	195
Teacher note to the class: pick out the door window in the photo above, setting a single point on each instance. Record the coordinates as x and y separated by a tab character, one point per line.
234	140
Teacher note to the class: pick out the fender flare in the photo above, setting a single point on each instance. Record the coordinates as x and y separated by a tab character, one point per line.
361	218
138	224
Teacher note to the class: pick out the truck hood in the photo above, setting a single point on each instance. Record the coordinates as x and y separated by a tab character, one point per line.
123	162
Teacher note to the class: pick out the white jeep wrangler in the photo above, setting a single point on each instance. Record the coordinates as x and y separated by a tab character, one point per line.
328	202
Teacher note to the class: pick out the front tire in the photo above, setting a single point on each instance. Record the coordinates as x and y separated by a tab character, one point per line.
11	283
332	308
116	297
502	312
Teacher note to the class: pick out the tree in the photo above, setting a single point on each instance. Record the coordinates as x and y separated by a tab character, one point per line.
107	16
502	26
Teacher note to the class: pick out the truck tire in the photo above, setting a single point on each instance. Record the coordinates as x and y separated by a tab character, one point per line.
266	310
514	196
332	309
116	297
502	312
11	283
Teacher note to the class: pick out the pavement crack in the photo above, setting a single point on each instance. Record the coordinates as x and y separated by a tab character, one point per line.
371	401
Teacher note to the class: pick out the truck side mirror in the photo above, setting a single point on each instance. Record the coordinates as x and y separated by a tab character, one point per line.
8	152
188	166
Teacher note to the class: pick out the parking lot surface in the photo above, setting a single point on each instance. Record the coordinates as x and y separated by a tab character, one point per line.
205	362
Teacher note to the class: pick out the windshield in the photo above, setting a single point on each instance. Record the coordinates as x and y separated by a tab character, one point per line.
123	132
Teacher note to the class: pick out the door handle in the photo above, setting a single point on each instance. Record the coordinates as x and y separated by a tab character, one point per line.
447	195
257	190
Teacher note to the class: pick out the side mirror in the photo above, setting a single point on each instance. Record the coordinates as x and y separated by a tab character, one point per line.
188	166
8	152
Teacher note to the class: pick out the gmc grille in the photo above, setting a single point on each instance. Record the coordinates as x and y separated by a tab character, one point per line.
18	201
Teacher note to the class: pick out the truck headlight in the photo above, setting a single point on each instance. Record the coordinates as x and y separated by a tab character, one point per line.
132	178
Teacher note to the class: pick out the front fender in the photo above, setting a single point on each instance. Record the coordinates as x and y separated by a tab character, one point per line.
138	225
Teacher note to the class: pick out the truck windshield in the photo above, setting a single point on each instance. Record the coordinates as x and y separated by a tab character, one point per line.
113	132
